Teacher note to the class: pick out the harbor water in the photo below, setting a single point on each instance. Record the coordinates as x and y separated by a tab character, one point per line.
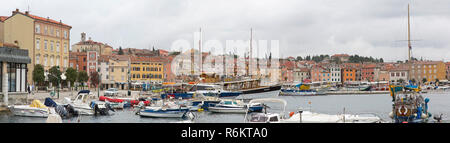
379	104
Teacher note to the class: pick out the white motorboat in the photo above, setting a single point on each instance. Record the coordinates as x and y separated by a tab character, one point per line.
35	109
85	106
266	117
167	110
311	117
234	106
212	90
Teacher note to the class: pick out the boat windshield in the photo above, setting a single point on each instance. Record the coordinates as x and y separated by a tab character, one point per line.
258	118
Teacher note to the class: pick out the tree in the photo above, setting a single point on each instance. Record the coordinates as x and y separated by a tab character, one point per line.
120	51
38	74
71	75
82	77
54	75
94	79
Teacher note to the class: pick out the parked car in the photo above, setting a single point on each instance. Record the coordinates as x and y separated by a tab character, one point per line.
111	92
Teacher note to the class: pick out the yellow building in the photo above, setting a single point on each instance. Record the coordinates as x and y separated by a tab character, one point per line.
46	40
118	71
147	70
431	70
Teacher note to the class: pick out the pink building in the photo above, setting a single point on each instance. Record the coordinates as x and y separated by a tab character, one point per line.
368	72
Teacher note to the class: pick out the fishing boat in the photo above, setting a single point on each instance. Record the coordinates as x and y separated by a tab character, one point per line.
265	117
234	106
35	109
175	90
408	105
301	89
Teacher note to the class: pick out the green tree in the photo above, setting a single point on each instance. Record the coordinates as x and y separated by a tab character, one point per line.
38	74
71	75
54	75
120	51
82	77
401	81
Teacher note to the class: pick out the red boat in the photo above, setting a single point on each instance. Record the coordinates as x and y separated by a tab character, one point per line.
132	102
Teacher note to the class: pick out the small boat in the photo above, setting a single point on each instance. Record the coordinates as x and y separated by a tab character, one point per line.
234	106
84	106
265	117
35	109
168	110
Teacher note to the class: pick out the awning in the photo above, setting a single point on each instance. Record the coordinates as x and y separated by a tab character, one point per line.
14	55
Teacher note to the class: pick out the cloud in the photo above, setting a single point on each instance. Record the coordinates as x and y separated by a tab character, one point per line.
304	27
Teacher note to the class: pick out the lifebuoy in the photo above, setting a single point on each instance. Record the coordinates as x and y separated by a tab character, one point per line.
404	112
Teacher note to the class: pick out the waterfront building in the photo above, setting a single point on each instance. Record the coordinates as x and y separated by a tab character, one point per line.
90	45
383	75
119	72
430	70
103	68
287	70
78	61
320	74
92	62
335	71
447	67
147	70
348	72
46	40
368	72
301	74
13	71
398	75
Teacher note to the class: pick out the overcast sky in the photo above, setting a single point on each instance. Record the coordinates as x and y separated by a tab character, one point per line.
303	27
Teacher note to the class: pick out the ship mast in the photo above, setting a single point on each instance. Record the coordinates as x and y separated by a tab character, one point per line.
409	38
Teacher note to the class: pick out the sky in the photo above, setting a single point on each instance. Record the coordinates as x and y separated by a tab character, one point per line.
303	27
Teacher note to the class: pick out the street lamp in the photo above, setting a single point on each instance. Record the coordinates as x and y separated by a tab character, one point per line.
62	77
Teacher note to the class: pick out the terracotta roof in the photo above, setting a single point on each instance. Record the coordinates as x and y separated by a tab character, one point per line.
41	18
146	59
427	62
3	18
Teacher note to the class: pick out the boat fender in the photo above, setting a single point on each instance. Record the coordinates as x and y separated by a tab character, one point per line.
405	111
291	114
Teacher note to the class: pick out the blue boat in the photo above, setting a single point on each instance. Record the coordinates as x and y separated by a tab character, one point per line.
159	112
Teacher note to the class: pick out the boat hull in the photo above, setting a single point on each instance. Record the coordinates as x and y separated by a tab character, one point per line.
174	113
26	111
261	89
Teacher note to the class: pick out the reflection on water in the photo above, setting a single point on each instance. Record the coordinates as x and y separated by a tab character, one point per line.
334	104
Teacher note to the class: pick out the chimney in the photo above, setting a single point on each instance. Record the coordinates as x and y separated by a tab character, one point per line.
16	11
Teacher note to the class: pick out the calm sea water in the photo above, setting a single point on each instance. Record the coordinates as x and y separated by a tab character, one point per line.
379	104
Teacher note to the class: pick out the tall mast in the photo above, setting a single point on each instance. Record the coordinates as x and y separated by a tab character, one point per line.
251	50
201	53
409	38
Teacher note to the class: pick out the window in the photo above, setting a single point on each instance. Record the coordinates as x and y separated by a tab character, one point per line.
37	59
38	44
57	46
45	30
57	61
57	33
51	61
65	62
65	34
45	61
112	69
38	28
65	48
45	44
51	45
123	70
